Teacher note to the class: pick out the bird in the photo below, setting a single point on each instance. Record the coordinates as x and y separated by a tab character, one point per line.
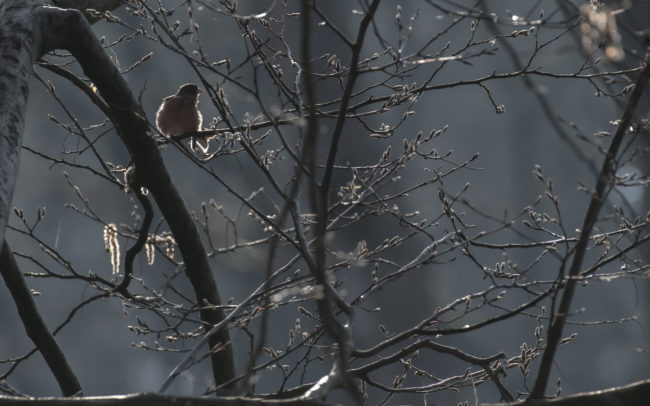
178	113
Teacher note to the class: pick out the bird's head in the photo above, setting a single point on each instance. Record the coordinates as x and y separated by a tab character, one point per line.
189	90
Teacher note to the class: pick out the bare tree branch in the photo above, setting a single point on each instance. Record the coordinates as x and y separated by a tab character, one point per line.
74	34
35	325
598	199
634	394
151	399
346	184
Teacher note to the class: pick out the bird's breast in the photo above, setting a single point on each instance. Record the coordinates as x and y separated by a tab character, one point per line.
177	116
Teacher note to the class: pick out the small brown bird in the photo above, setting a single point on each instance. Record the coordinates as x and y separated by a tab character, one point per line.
179	114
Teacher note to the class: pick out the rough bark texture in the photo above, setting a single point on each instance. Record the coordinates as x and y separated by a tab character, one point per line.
19	46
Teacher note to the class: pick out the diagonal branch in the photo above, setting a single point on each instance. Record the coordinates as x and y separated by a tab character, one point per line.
35	326
597	201
68	29
636	393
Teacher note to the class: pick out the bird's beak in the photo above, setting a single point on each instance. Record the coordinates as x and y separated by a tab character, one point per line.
200	90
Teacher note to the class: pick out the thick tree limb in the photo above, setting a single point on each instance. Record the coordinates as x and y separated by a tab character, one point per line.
35	326
68	29
635	394
151	399
19	47
597	200
28	30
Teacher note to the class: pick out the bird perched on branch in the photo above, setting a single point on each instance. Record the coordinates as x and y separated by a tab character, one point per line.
179	114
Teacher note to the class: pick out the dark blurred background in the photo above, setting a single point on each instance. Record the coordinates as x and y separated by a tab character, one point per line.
97	340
